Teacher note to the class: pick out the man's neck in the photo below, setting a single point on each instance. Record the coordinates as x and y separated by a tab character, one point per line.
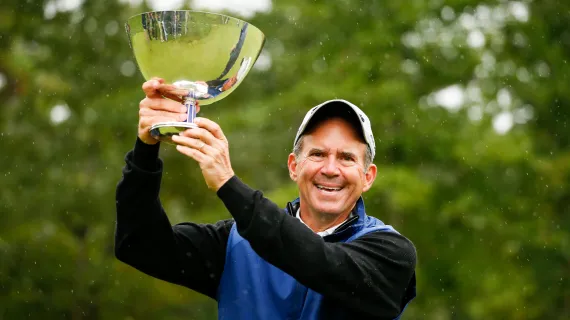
321	222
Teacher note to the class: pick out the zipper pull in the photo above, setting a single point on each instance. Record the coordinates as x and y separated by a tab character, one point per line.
290	209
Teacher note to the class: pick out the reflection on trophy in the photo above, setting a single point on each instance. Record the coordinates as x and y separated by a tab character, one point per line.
205	56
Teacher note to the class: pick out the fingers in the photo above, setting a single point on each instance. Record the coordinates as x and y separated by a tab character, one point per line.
151	113
162	105
203	135
211	127
156	88
172	92
210	133
151	86
190	152
192	143
148	122
211	153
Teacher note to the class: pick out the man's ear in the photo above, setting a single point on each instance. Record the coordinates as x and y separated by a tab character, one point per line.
369	177
292	165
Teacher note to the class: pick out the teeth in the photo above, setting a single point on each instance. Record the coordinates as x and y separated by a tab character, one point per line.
328	189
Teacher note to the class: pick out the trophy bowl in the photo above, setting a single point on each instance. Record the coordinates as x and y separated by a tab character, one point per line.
205	56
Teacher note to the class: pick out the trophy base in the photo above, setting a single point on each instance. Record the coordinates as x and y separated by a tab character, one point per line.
163	131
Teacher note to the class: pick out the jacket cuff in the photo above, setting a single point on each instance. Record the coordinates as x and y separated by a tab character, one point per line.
145	156
238	199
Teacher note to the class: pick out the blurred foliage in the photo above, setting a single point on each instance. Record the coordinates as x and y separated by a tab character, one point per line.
480	183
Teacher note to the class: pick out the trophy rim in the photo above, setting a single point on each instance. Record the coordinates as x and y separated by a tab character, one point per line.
196	11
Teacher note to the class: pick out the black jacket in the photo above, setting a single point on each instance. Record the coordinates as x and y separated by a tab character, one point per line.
193	255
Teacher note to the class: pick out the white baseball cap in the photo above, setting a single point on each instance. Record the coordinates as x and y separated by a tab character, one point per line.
362	120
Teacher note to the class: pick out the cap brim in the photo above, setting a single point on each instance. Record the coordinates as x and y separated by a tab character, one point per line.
361	117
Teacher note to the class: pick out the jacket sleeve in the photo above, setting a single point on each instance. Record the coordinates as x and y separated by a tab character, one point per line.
186	254
369	275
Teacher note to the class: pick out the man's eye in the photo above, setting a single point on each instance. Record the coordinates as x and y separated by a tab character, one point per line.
317	154
348	158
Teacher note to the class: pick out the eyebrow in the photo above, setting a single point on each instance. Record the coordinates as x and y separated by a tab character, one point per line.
348	154
342	153
315	150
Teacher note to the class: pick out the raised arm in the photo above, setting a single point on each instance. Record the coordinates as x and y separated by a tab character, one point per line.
187	254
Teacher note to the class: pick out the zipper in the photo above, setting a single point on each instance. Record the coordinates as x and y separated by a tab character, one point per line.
290	209
346	224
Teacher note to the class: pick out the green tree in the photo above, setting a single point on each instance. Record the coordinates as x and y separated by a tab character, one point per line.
469	102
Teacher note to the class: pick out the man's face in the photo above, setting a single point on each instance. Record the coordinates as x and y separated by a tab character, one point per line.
329	172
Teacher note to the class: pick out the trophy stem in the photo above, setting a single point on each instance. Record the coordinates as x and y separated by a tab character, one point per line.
190	103
164	131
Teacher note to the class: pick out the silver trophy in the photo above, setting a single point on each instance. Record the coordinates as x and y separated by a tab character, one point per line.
205	56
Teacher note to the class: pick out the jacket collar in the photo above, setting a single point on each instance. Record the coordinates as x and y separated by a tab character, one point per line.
353	224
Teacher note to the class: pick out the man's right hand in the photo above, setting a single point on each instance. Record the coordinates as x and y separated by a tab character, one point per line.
163	103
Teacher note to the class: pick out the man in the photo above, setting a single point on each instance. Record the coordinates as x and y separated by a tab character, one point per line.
322	257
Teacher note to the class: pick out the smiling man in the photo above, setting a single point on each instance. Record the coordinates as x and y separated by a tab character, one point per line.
321	257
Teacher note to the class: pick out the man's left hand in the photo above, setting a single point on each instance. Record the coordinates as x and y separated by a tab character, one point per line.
209	147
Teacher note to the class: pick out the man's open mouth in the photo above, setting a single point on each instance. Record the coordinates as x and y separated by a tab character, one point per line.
328	189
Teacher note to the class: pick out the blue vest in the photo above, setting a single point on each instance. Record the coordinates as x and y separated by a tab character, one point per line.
251	288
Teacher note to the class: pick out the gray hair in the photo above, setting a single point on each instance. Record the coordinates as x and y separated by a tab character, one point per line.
299	146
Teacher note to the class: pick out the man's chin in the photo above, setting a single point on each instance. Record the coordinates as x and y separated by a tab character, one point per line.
333	210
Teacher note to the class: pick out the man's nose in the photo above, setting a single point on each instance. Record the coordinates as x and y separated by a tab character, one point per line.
330	166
